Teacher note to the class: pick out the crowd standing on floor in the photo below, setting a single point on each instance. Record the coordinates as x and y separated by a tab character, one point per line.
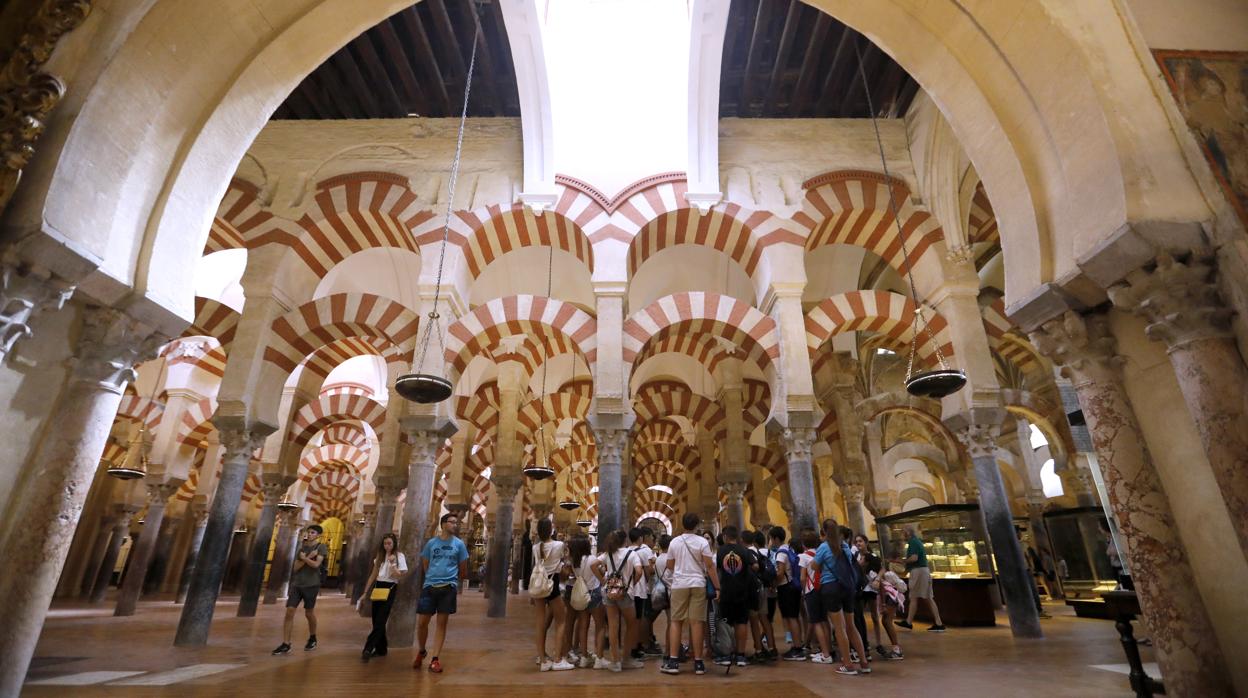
719	596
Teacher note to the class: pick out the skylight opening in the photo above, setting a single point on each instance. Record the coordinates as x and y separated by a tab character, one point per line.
1038	439
1050	480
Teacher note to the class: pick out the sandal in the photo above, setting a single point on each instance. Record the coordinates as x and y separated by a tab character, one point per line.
420	657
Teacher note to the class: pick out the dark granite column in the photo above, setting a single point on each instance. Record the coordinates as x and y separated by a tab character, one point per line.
797	444
117	538
980	441
421	469
65	462
158	493
1187	649
240	441
273	486
157	570
498	562
610	495
362	556
283	554
99	549
199	509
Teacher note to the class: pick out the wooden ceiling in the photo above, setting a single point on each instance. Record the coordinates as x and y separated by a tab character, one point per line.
784	59
414	63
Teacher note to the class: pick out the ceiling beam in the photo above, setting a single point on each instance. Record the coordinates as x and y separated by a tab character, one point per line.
758	39
339	92
360	90
416	100
835	80
379	80
810	64
788	37
871	57
485	64
436	84
453	65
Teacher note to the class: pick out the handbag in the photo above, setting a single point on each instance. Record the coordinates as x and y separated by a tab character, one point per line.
380	594
540	584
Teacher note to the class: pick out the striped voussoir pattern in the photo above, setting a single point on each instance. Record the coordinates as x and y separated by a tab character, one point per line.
981	221
330	356
481	408
698	312
880	312
851	207
113	452
663	474
314	458
302	331
665	451
704	348
663	398
238	215
196	423
728	229
186	492
498	230
141	409
345	432
757	403
582	455
656	502
659	431
346	389
478	332
213	362
328	409
1007	341
532	352
251	489
620	217
214	319
768	460
552	408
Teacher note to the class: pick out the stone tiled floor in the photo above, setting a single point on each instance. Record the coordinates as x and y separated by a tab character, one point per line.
486	657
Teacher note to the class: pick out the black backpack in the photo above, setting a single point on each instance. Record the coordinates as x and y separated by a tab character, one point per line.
846	573
766	570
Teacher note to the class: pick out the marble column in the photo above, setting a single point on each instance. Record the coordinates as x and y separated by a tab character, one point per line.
363	557
1179	299
158	494
734	515
1012	576
272	486
505	486
854	494
610	495
117	538
1040	533
157	569
1187	649
283	554
422	467
389	487
797	444
64	464
99	548
199	510
240	440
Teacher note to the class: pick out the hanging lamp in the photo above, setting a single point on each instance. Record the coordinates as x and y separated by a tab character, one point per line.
942	381
429	388
134	465
287	504
569	503
583	522
541	470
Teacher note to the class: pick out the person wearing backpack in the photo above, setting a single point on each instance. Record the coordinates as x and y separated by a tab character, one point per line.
622	569
548	562
764	577
816	620
788	591
305	586
736	567
584	598
643	644
838	584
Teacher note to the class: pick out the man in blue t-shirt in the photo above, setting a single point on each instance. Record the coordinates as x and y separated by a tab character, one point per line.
443	562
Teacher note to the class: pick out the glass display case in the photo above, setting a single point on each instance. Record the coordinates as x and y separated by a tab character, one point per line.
953	535
1082	545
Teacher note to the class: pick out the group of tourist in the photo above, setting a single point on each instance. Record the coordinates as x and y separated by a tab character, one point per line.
824	585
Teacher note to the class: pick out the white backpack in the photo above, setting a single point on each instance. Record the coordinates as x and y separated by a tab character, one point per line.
540	584
579	599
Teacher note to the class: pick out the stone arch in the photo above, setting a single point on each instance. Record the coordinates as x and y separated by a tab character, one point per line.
929	454
328	409
475	332
728	229
141	409
238	214
659	399
481	408
354	456
346	432
302	331
711	313
498	230
883	312
214	319
553	407
196	423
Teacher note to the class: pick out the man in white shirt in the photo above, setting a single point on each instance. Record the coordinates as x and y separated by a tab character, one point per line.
641	540
692	564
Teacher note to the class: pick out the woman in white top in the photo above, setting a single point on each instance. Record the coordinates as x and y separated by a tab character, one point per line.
590	571
617	558
388	568
551	555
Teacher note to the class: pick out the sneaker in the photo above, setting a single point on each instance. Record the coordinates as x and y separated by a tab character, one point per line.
853	656
905	624
936	629
601	663
654	650
846	671
741	661
283	648
793	655
773	654
366	655
546	665
822	659
615	666
586	661
539	660
435	666
573	656
864	670
420	657
879	649
633	664
637	654
895	655
561	665
686	653
670	666
311	644
699	667
724	661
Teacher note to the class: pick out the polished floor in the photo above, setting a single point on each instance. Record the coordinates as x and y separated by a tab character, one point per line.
86	651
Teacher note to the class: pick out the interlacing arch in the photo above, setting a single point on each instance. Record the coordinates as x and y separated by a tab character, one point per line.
328	409
238	215
354	456
756	403
694	312
769	460
575	452
214	319
481	408
851	207
477	332
884	313
252	489
302	331
665	398
498	230
728	229
196	423
621	216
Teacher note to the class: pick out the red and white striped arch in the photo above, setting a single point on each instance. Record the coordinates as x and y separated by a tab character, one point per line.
498	230
113	452
346	432
314	458
658	399
346	388
350	213
329	409
662	451
699	312
552	408
196	423
213	362
238	215
214	319
477	332
302	331
481	408
981	220
251	489
620	217
186	492
851	207
702	347
141	409
1004	339
659	431
757	403
324	360
728	229
770	461
577	454
666	473
336	474
534	351
882	312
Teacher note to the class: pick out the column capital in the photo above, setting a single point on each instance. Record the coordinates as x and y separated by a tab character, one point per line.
611	443
424	447
505	486
853	493
25	291
1178	296
980	440
734	489
272	490
162	489
797	443
388	487
109	346
1082	345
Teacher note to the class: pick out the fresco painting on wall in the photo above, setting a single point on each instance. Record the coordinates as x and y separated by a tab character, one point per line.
1211	88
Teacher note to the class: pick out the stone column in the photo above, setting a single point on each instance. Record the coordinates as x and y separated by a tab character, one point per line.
272	486
505	485
283	555
65	461
797	444
364	557
158	493
159	566
854	494
25	291
1179	298
610	494
980	441
199	510
117	537
240	440
99	548
389	487
734	515
1187	649
422	468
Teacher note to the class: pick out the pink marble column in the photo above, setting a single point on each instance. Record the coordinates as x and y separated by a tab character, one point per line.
1179	299
109	345
1188	652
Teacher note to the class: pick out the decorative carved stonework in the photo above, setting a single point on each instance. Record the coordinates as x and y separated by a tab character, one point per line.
27	96
1082	345
24	292
797	444
1178	297
734	490
505	486
980	440
109	347
160	492
611	444
424	448
853	493
238	441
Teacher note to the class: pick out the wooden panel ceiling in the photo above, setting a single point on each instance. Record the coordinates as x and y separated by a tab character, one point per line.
414	63
784	59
